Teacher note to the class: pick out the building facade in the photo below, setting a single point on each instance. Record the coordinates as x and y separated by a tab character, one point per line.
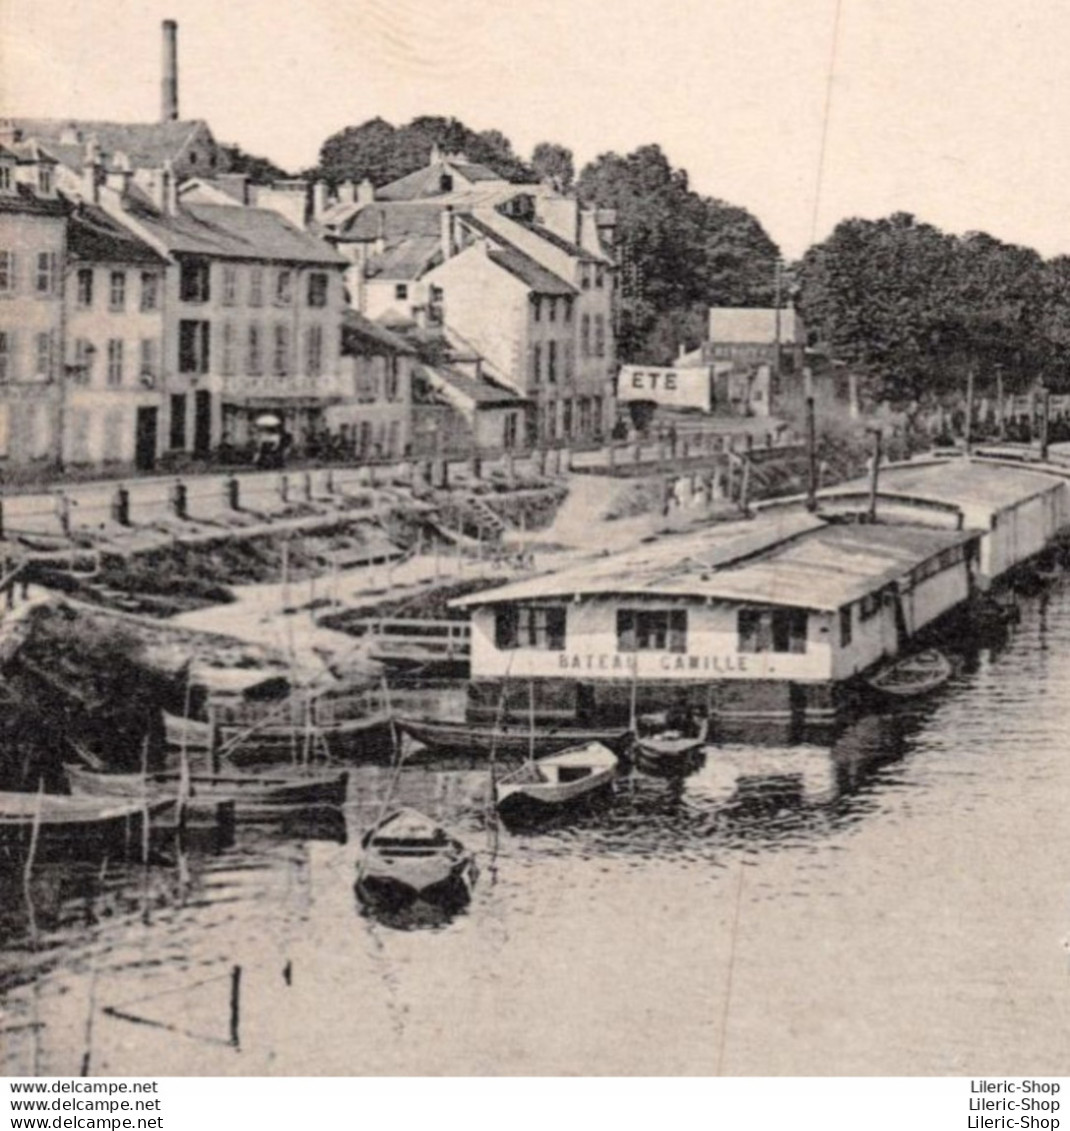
113	393
33	256
764	619
254	309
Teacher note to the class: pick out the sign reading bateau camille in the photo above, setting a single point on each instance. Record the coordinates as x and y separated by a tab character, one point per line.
685	387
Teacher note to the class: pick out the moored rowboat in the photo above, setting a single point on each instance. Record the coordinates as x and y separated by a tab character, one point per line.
284	787
556	781
667	753
408	858
505	741
913	675
74	828
367	737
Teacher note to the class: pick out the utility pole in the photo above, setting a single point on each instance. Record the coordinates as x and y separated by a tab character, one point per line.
778	284
811	448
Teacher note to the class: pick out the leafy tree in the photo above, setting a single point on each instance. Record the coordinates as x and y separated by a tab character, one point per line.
553	163
259	170
678	249
382	153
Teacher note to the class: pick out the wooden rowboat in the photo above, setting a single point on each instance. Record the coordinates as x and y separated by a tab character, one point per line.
284	787
913	675
407	858
74	828
555	782
508	742
348	739
668	753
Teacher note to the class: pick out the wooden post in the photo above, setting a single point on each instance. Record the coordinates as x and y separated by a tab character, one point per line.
968	430
811	447
1044	418
744	486
1001	421
235	1006
874	472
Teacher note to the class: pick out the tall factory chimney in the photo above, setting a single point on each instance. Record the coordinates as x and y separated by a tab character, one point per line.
169	83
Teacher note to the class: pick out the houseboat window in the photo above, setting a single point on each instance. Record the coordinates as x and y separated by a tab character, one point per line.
846	624
527	626
772	630
652	630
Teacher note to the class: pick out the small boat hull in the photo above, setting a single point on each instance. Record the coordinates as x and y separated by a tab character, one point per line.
556	783
913	676
251	793
353	740
57	827
408	859
505	742
664	757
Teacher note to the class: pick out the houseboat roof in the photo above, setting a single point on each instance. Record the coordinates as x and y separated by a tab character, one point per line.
959	483
795	560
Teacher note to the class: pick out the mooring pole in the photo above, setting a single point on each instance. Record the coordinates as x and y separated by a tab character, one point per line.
1044	419
874	473
811	448
235	1005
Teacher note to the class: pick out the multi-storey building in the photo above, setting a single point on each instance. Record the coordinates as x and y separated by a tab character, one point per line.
516	273
33	247
112	398
374	418
253	315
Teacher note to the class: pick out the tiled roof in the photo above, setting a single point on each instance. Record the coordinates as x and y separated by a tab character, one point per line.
409	259
530	273
392	221
428	181
95	237
562	244
360	335
147	144
481	392
497	230
25	200
235	233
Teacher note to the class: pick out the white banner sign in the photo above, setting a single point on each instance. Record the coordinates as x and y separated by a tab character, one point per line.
686	387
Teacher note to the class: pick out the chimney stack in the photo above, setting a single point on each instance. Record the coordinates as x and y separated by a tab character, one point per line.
169	85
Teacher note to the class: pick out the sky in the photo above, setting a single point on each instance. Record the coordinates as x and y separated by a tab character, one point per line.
805	112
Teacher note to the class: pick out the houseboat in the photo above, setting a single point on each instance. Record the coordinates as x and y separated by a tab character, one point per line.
769	618
1019	509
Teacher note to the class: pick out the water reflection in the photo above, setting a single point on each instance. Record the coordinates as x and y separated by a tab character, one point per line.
280	901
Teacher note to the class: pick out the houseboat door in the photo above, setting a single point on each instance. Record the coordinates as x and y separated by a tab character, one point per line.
145	439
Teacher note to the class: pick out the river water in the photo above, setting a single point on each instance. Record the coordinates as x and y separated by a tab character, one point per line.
893	899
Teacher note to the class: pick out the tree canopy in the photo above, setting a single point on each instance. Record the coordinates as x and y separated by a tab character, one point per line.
382	152
917	307
679	251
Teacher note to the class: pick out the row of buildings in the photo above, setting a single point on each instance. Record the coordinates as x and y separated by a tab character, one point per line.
154	302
